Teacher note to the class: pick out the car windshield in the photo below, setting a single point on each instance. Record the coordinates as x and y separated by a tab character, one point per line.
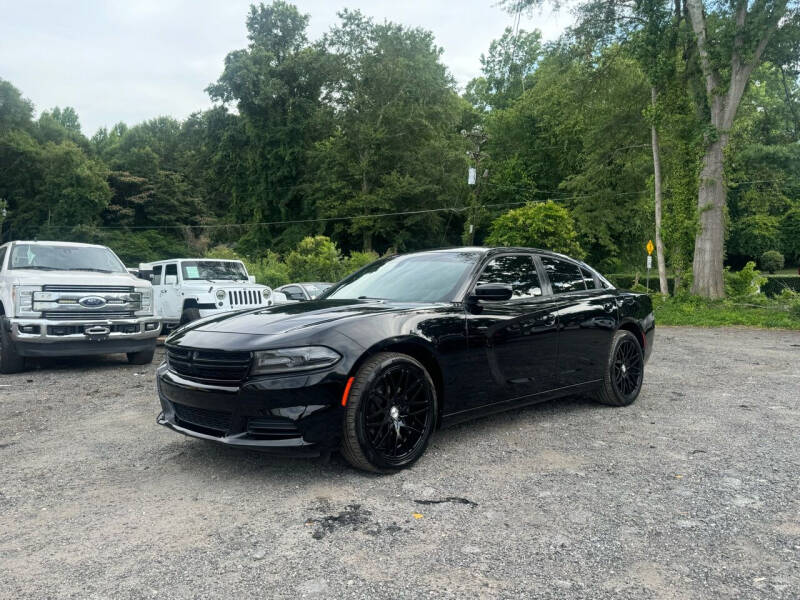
213	269
428	277
65	258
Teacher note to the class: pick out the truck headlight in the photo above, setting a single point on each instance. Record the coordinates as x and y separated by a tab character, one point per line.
22	297
285	360
266	292
220	294
145	301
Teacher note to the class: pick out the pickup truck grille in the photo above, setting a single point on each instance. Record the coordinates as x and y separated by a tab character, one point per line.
245	297
88	289
208	365
95	315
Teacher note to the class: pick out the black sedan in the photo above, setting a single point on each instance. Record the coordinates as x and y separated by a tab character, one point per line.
407	344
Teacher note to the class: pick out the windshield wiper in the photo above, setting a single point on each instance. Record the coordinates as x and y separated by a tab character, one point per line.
40	268
89	269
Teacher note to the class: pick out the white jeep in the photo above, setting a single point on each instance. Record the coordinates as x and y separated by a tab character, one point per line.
187	289
68	299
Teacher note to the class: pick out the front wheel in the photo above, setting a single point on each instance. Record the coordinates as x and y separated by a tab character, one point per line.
622	380
10	361
142	357
390	413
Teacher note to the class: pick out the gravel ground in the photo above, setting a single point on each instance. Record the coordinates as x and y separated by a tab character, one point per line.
692	492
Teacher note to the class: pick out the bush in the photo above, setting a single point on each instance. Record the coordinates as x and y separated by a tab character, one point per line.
778	283
754	235
543	225
747	282
771	261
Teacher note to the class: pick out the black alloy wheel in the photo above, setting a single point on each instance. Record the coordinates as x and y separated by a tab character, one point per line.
390	413
625	371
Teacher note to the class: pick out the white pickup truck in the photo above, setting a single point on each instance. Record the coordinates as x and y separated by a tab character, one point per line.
68	299
187	289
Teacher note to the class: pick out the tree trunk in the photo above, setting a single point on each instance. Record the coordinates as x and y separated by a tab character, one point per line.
662	267
367	240
709	242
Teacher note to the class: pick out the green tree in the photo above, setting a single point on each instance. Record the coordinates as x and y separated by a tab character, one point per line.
543	225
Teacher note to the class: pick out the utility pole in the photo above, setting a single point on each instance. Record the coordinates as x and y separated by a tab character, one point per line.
477	138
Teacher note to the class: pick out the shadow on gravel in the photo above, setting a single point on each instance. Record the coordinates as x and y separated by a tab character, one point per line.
83	363
209	459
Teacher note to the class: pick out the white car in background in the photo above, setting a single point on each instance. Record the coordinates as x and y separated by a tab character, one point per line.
186	289
304	291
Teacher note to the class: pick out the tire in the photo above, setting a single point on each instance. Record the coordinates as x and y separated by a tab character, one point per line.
189	314
143	357
622	380
10	361
380	409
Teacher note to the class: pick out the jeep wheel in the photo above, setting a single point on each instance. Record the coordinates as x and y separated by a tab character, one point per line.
189	314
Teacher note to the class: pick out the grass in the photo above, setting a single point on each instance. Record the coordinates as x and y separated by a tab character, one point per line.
758	312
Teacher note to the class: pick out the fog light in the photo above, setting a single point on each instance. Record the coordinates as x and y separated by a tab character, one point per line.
150	326
29	329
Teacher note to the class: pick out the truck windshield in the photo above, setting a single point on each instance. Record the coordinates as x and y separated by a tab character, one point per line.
65	258
425	277
213	269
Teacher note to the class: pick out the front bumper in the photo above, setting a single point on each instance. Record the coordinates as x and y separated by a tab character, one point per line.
293	415
43	337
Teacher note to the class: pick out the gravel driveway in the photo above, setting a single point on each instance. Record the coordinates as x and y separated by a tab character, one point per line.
692	492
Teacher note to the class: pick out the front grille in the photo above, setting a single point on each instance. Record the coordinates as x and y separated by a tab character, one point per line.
214	422
87	315
73	329
273	428
214	365
245	297
88	289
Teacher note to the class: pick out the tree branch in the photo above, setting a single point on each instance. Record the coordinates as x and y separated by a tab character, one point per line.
698	20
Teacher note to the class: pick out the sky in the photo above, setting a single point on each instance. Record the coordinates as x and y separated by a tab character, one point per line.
134	60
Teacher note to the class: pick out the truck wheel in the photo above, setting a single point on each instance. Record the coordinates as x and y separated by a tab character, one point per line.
143	357
10	361
189	314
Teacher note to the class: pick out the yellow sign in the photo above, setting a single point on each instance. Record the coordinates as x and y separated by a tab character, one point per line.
650	247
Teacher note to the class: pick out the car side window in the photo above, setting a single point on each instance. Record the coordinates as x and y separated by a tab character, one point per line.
171	270
588	279
293	292
564	276
157	275
2	256
518	271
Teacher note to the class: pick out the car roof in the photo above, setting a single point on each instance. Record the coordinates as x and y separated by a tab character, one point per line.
57	243
494	250
170	260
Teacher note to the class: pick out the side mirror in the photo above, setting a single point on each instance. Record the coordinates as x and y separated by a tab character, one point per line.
493	292
171	280
251	278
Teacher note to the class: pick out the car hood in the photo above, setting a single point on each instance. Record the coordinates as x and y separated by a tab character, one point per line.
286	318
87	278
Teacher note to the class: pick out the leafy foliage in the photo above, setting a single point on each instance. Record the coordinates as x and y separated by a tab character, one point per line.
744	283
771	261
543	225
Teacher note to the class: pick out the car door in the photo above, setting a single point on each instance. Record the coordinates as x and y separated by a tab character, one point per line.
170	301
587	316
517	339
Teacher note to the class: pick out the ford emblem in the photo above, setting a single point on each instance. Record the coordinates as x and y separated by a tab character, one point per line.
92	301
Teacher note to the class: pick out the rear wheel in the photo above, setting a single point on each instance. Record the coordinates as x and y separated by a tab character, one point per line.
10	361
624	372
390	413
143	357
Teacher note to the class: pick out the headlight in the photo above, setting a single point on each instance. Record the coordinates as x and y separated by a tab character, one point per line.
284	360
146	301
22	296
220	294
266	292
